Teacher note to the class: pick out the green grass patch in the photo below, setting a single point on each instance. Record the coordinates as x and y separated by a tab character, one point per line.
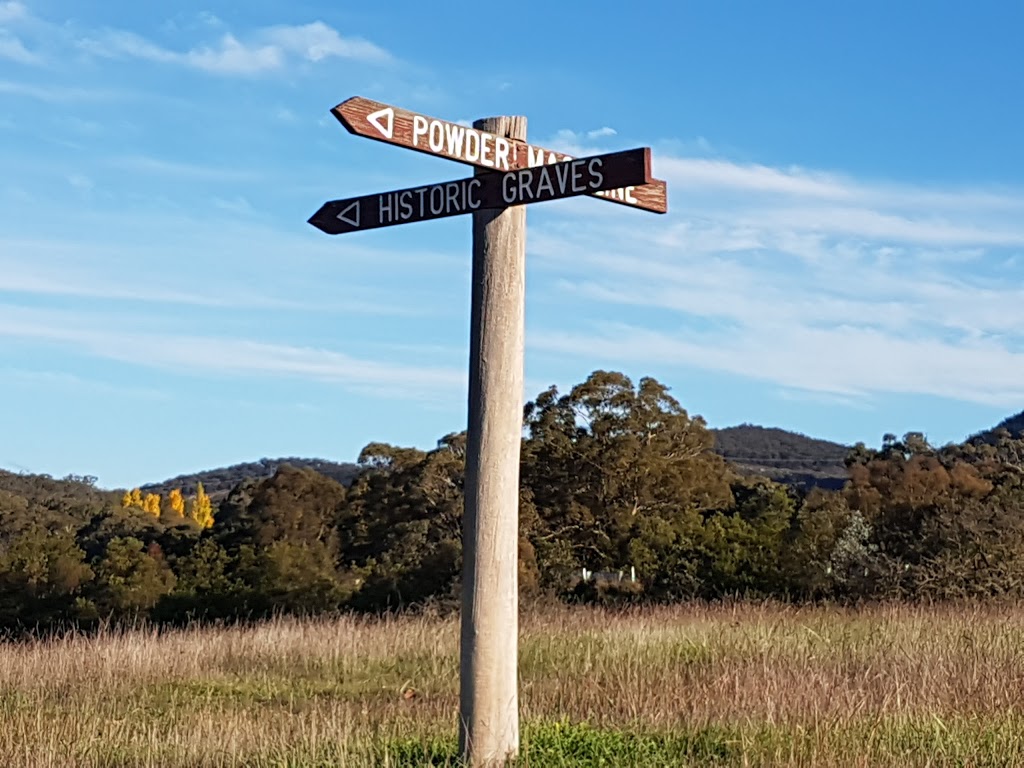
982	743
580	745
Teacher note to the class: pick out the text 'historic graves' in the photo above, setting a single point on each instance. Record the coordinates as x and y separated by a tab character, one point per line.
580	176
374	120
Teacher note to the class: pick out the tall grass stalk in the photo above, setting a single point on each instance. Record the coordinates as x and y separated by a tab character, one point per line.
736	684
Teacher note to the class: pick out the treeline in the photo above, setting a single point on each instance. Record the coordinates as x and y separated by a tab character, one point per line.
614	476
219	482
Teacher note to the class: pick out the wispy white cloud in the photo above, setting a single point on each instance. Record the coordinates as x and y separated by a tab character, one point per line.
237	280
260	51
13	49
268	50
22	278
57	94
81	182
238	357
285	115
812	281
85	127
601	133
715	175
236	205
823	398
923	228
571	143
12	11
67	382
210	19
705	173
17	193
155	165
854	362
317	41
228	56
203	20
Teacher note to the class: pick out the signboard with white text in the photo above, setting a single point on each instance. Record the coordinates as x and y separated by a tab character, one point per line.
496	189
382	122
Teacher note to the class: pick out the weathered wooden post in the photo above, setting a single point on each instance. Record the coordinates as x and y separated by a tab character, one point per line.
510	174
489	697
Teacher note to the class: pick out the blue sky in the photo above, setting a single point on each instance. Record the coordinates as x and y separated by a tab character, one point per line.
842	256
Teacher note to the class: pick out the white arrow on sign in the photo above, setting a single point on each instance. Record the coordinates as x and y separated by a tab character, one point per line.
386	128
344	215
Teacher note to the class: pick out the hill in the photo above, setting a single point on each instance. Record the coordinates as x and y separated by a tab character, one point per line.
219	482
1012	424
786	457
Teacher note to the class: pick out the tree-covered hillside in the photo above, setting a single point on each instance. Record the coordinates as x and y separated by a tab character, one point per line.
615	475
787	457
1013	426
219	482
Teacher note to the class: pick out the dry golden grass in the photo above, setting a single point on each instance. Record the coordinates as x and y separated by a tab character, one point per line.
725	685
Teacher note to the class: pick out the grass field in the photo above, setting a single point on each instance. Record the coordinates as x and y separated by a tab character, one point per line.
690	685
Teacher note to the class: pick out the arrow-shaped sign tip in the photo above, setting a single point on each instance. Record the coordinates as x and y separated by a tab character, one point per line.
339	112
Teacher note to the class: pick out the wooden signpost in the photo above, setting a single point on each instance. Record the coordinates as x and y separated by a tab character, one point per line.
509	174
474	146
493	190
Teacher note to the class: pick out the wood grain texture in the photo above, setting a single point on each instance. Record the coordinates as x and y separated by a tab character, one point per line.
489	701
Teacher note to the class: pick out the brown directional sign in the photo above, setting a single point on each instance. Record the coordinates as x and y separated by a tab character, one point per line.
393	125
486	190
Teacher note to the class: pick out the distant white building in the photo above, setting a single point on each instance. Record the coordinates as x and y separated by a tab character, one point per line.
605	577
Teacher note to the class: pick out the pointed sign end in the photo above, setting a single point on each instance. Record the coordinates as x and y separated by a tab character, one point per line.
339	113
317	220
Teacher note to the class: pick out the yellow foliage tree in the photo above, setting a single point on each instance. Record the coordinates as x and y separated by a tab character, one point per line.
202	508
132	498
177	502
151	504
